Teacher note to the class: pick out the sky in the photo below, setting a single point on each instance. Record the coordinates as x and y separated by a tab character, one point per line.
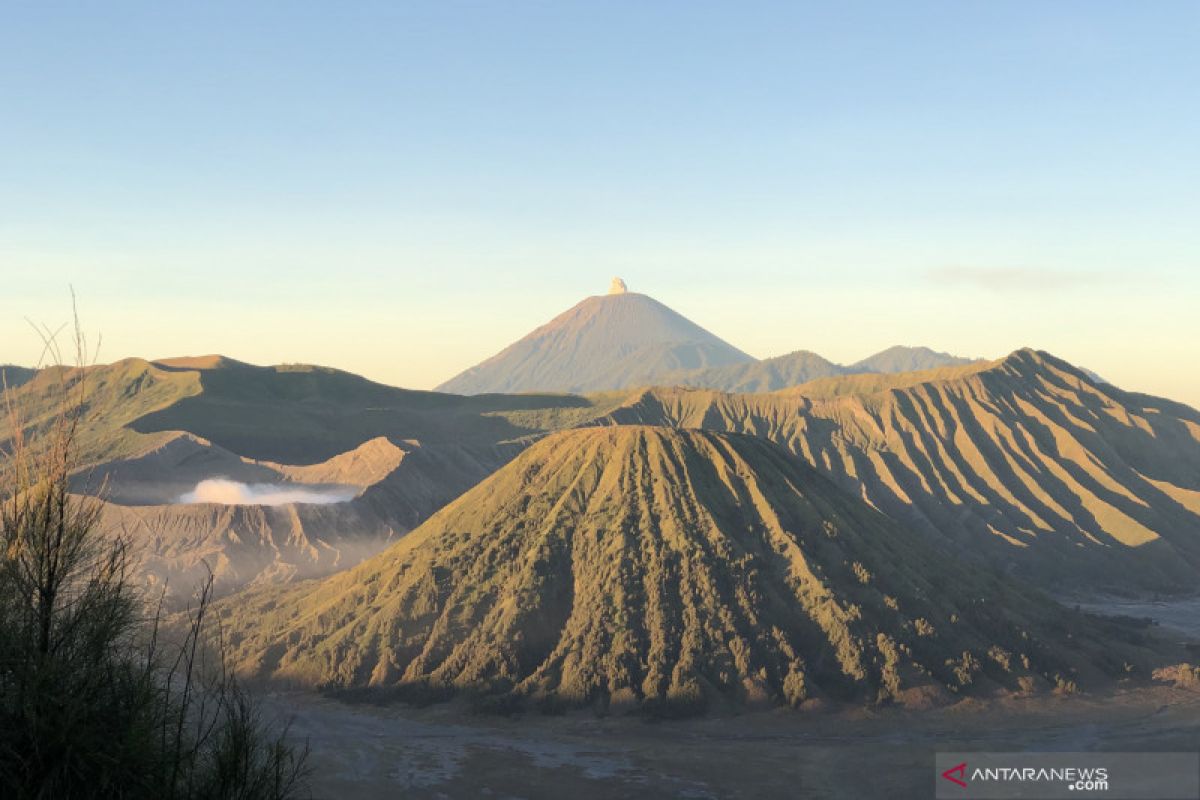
401	189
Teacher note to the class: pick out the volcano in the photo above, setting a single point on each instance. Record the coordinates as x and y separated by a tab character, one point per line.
666	569
606	342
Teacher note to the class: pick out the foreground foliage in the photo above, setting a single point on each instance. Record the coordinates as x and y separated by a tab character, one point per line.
94	701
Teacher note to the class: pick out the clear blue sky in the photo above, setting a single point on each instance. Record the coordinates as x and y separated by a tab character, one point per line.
400	189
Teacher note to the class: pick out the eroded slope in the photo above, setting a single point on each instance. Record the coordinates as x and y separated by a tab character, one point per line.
1026	462
668	568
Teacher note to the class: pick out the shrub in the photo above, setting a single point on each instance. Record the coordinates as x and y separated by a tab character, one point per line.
93	701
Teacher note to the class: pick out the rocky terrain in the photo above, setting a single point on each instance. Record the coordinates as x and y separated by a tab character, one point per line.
1026	462
669	571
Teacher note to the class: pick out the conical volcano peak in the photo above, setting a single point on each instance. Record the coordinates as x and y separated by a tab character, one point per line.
612	341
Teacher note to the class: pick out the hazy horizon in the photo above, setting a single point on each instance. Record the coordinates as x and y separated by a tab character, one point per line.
23	344
402	190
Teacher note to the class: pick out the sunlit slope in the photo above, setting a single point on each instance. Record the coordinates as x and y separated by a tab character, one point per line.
291	415
667	568
300	414
152	430
603	343
1025	462
117	395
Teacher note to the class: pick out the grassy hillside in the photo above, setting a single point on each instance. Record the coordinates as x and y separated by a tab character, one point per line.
1025	462
306	414
668	569
292	414
117	395
152	431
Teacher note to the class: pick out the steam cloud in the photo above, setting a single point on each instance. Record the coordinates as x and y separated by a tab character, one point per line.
235	493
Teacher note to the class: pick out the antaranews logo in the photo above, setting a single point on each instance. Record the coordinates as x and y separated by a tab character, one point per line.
1074	778
957	774
1050	776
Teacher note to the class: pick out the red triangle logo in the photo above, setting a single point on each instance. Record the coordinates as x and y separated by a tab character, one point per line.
961	769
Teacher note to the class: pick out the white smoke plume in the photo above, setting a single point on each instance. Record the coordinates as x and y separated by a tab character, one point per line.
235	493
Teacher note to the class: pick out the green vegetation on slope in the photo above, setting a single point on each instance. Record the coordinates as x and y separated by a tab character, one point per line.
305	414
117	395
291	414
95	701
408	453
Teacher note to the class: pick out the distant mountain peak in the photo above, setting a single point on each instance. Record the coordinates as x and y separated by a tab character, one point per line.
614	341
623	339
902	358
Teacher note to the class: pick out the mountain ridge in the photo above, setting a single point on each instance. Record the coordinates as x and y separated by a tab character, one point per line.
902	358
1025	461
624	340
